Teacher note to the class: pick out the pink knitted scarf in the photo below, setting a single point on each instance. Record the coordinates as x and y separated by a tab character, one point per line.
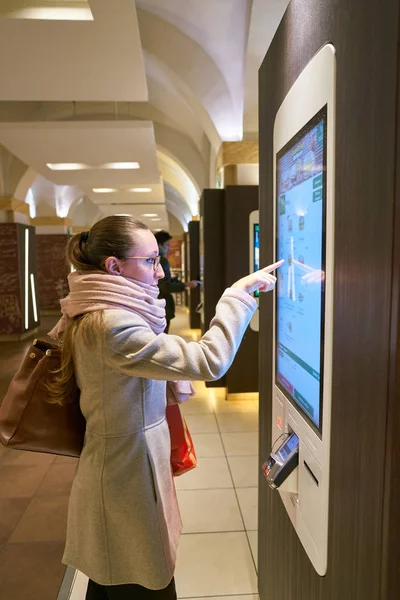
96	290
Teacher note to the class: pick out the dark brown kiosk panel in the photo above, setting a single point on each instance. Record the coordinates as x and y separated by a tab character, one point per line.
193	263
212	258
240	201
364	501
224	249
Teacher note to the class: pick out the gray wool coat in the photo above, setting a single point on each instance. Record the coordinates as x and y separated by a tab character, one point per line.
123	520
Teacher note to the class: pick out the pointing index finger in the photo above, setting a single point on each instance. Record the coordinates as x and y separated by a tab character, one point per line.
274	266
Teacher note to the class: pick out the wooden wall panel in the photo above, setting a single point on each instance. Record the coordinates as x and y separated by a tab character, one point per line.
390	586
212	215
240	201
194	273
365	35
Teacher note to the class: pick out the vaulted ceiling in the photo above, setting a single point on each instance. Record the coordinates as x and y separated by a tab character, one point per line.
160	83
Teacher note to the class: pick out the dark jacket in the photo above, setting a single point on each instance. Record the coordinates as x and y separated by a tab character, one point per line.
167	287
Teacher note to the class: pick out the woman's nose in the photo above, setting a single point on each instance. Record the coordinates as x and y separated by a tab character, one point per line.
160	272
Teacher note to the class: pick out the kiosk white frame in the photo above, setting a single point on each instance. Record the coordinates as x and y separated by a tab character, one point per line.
254	219
306	495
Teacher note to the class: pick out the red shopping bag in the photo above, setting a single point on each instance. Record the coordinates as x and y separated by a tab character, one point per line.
183	456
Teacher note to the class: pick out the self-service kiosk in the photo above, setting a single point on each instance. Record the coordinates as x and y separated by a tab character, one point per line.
304	164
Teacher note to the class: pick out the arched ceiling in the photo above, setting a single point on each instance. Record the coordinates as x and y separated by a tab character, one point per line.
159	82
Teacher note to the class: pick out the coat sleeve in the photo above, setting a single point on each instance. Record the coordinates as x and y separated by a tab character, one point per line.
170	287
135	350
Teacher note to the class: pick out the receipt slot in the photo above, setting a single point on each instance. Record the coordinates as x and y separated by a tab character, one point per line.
304	161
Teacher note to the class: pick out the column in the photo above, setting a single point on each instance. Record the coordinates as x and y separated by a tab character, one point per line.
52	235
19	315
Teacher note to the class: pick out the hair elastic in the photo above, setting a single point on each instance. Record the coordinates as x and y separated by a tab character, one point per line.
84	237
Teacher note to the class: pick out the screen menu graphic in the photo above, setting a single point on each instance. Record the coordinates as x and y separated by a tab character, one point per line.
300	287
256	251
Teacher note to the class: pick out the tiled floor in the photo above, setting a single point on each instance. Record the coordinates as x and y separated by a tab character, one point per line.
218	501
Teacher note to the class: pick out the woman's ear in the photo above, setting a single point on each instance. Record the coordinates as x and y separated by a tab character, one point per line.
112	265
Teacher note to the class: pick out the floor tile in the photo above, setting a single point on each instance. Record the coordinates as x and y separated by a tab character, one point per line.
215	564
65	460
253	539
208	445
30	571
248	501
216	394
21	458
199	386
11	511
237	422
57	481
240	444
244	470
209	510
45	520
201	423
3	452
210	473
233	406
21	481
196	406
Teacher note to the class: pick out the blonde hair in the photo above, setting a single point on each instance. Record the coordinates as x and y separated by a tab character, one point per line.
111	236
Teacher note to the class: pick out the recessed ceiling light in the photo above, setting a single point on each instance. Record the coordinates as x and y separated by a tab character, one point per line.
139	189
104	190
80	166
155	219
67	166
150	215
52	13
120	165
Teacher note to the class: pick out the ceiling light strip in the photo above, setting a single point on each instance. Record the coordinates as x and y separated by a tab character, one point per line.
82	166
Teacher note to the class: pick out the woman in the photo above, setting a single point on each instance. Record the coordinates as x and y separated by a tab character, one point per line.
123	520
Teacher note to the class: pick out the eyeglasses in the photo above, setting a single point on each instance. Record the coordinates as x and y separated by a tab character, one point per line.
154	260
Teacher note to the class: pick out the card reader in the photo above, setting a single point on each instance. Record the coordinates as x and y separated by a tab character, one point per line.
281	463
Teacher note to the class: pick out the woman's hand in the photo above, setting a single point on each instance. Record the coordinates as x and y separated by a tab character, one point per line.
261	280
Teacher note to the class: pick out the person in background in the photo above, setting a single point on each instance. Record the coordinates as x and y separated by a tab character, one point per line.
169	285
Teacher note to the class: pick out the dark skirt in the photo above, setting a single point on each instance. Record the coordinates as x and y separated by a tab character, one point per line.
129	591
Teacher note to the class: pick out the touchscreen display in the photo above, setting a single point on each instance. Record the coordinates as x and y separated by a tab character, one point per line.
300	305
256	251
